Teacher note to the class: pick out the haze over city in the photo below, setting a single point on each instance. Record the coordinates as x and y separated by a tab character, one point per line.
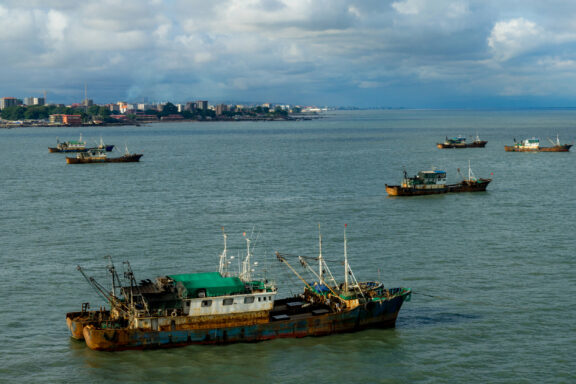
363	53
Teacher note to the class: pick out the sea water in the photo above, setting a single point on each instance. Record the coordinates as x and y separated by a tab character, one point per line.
492	273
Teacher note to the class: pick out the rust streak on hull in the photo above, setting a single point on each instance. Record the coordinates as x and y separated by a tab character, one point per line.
77	321
180	330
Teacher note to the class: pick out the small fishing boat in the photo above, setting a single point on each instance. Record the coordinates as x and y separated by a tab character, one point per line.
98	155
460	142
78	146
222	307
470	183
424	183
533	145
69	146
434	182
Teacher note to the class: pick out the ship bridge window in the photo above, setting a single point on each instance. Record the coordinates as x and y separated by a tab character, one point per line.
248	299
228	301
206	303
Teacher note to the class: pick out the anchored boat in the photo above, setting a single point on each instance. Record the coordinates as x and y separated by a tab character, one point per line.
78	146
460	142
434	182
424	183
69	146
221	308
98	155
470	183
533	145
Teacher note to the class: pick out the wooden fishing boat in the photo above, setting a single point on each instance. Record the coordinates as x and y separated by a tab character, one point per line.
222	307
533	145
97	155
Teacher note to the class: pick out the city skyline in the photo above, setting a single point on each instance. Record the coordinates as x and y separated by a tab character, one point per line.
370	53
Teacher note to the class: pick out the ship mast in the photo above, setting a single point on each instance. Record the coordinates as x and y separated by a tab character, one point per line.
345	261
223	262
320	267
246	275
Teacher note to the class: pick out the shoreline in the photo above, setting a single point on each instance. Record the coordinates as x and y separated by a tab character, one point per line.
10	125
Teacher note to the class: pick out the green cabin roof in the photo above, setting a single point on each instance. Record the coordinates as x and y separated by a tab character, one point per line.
212	282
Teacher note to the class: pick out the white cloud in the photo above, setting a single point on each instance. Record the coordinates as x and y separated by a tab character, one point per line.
409	7
514	37
436	8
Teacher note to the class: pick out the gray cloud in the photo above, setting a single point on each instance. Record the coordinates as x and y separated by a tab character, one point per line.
413	53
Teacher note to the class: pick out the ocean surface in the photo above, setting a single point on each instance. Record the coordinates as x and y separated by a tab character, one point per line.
493	274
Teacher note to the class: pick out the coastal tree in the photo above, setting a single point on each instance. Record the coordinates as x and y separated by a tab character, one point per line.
169	109
13	113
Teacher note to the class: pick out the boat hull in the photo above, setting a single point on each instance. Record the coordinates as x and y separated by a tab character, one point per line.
77	321
397	190
475	144
107	148
123	159
556	148
479	185
374	314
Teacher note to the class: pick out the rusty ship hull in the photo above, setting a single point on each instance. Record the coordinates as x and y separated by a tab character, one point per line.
556	148
132	158
77	321
177	331
398	190
479	185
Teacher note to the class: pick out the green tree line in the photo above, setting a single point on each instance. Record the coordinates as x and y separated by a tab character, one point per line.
42	112
96	112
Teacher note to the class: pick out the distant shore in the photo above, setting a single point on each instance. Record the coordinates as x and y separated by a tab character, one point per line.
42	124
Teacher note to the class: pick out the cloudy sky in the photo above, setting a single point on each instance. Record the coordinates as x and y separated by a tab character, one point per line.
365	53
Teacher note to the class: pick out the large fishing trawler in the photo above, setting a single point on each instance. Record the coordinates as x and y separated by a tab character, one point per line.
220	308
533	145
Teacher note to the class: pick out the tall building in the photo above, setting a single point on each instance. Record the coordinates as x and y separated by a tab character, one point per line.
34	101
6	102
220	108
202	104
